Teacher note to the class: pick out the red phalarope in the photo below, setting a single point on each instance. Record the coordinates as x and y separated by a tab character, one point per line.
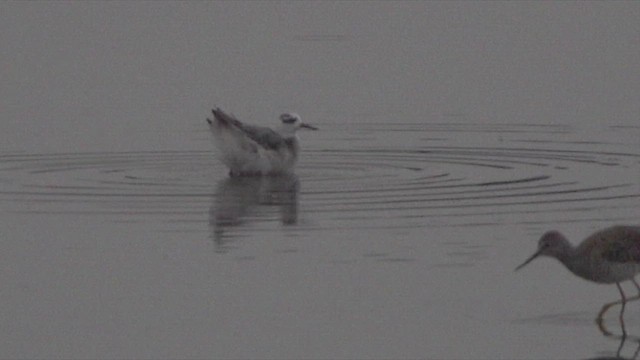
255	150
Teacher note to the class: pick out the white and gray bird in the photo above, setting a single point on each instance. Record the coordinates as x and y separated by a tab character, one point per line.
255	150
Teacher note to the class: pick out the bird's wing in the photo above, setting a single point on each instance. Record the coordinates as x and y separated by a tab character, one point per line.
264	136
620	244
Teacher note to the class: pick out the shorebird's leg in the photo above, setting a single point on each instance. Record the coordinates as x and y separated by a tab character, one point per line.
623	338
602	327
637	287
624	301
635	354
604	309
606	306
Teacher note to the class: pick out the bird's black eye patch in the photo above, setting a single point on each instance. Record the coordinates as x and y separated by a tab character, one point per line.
288	120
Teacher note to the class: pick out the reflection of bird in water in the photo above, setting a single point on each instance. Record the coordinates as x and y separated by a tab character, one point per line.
256	150
608	256
239	200
622	338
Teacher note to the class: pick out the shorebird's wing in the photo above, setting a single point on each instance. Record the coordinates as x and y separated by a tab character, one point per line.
263	136
620	244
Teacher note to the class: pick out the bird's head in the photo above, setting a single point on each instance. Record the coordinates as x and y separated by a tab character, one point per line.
552	244
293	122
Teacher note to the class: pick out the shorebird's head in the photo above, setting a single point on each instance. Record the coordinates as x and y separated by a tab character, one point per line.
292	122
552	244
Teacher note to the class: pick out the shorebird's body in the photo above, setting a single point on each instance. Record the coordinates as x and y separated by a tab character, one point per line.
256	150
608	256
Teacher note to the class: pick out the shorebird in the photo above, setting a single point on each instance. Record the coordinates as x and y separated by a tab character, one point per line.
608	256
256	150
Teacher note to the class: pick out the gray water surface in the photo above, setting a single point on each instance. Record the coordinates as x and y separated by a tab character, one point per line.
452	136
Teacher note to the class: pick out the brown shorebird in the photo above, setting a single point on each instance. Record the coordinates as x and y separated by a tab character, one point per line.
608	256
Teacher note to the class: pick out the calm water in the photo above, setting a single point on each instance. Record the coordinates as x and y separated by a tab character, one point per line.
452	136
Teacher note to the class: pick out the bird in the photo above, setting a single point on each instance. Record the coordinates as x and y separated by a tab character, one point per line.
608	256
250	150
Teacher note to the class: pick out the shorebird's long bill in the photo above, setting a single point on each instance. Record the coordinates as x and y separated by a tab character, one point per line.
307	126
528	260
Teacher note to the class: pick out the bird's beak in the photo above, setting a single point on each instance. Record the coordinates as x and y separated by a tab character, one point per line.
307	126
530	259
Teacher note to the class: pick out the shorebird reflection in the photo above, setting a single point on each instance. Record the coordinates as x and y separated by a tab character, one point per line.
622	337
240	200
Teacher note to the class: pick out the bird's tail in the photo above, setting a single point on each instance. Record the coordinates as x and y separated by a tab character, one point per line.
220	118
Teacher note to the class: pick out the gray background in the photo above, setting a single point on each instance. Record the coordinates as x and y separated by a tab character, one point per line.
111	201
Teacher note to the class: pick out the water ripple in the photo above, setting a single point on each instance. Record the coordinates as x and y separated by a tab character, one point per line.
469	175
